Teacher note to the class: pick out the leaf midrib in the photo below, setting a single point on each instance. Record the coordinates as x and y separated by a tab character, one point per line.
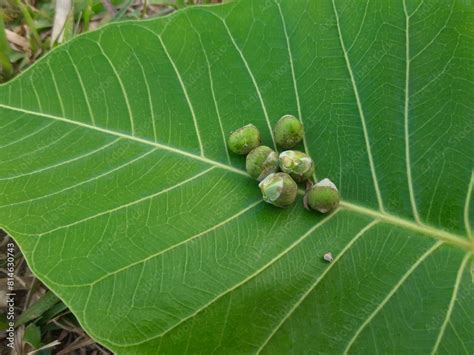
129	137
448	237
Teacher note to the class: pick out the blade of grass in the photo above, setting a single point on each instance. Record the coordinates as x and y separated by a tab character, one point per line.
32	336
4	46
68	32
52	313
144	10
7	68
118	16
5	50
86	16
36	310
35	37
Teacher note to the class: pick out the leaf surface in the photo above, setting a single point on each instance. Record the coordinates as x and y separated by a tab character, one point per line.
118	187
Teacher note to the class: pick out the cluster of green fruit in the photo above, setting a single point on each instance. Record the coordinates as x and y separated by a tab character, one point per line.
263	164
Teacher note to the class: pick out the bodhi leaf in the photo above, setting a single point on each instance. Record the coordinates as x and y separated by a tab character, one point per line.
118	187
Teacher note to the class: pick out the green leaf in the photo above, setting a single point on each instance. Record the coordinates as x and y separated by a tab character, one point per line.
44	304
3	323
52	313
33	336
118	187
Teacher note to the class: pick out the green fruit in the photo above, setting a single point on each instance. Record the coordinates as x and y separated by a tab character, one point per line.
322	197
279	189
288	131
297	164
261	162
243	140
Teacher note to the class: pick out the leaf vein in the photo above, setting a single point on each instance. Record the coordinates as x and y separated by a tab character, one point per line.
293	74
147	86
252	77
318	280
457	283
243	282
94	178
122	87
129	203
467	222
29	135
132	138
361	112
183	87
397	286
184	242
211	81
405	116
83	88
82	156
